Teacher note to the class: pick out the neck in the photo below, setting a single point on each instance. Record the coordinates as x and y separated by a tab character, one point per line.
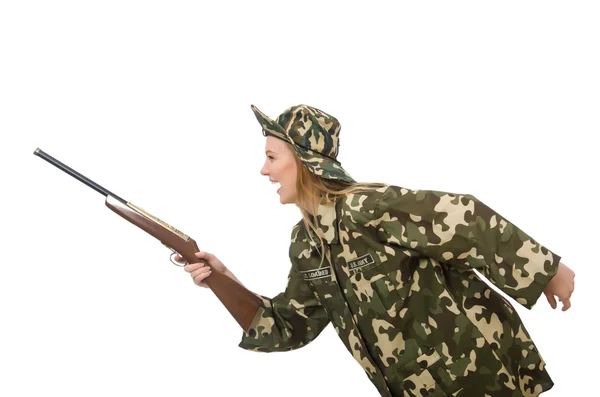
310	207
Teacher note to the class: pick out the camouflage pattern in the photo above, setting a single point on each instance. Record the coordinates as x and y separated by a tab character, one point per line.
398	285
313	134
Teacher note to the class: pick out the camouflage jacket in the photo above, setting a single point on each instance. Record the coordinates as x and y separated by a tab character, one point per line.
398	285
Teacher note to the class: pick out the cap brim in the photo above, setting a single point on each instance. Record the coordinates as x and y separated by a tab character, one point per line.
322	166
270	126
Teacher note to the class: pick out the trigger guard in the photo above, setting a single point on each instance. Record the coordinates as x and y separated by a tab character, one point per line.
173	261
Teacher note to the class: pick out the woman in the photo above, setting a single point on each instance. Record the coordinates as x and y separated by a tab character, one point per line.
392	270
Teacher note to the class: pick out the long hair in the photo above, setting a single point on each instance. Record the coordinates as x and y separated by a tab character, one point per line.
312	190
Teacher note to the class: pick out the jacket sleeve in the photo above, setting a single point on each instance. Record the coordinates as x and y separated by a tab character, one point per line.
460	230
289	321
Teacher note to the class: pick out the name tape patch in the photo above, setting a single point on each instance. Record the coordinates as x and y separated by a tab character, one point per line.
316	274
361	261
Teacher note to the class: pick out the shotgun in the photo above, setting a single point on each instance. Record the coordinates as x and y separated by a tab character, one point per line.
241	303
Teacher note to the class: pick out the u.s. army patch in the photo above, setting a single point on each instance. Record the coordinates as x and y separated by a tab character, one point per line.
316	273
361	261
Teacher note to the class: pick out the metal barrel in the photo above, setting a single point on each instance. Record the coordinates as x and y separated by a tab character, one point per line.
40	153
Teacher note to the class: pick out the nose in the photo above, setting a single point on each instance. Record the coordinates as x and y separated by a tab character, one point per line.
264	170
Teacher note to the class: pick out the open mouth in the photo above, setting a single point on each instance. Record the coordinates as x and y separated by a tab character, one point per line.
277	185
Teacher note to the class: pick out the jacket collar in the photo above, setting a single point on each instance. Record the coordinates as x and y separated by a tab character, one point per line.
326	222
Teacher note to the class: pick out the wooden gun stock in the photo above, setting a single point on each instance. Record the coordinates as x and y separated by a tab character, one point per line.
239	301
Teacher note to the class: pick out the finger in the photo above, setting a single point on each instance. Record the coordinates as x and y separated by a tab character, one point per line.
190	267
198	279
200	271
205	255
551	299
179	259
566	294
566	304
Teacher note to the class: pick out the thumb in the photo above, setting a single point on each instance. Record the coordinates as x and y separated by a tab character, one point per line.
551	299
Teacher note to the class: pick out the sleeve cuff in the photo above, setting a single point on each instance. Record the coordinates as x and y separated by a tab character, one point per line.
541	280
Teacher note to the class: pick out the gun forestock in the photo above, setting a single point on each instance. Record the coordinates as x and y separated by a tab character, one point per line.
164	232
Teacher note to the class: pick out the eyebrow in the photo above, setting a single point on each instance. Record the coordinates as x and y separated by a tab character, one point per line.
270	151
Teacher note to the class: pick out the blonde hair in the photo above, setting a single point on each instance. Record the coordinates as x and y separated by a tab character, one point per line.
312	190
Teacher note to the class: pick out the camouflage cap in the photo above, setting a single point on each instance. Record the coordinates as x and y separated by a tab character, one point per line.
313	134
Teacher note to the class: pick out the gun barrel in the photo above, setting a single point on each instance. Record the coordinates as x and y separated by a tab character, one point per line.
40	153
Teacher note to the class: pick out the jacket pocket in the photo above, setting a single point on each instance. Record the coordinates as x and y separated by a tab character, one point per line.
363	286
427	375
382	286
391	290
327	292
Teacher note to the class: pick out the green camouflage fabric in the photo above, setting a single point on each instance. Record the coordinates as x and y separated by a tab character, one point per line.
398	285
313	134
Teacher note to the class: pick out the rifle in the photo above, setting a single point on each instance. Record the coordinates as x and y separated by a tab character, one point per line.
241	303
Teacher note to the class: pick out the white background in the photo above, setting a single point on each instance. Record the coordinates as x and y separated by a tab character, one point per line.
152	101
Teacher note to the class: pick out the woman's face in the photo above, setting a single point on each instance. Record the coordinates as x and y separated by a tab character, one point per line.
280	167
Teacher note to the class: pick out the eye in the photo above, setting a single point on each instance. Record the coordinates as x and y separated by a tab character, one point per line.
270	157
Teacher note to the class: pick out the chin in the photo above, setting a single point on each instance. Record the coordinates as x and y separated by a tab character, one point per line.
286	200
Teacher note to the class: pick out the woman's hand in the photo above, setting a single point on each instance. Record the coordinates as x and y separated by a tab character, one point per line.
562	286
199	271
